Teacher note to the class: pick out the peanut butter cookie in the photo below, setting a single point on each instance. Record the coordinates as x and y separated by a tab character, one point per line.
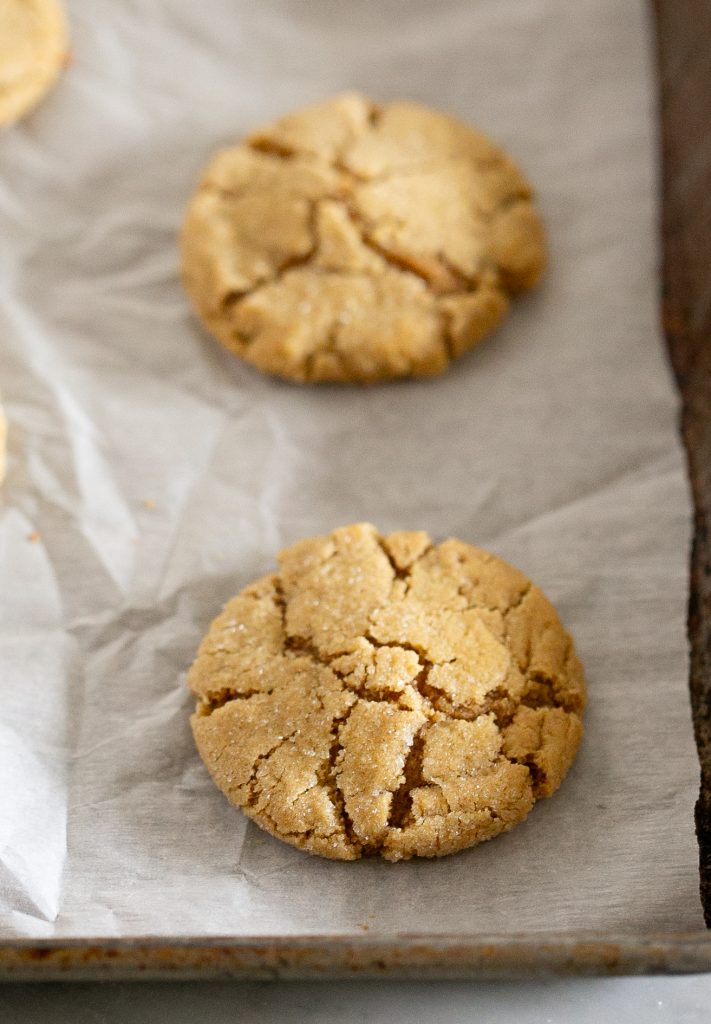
33	49
355	242
385	695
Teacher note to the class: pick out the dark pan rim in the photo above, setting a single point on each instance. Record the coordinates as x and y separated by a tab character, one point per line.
346	956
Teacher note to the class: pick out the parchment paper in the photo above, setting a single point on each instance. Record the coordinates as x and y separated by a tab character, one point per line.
161	475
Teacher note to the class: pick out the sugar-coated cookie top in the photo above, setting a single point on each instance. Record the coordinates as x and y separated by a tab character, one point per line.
385	695
355	242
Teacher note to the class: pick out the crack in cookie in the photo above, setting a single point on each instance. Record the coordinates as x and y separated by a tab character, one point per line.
386	695
341	245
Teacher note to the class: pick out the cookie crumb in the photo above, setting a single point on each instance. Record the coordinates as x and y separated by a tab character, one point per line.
34	536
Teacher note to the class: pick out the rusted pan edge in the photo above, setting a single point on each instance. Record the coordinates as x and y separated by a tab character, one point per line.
683	41
328	957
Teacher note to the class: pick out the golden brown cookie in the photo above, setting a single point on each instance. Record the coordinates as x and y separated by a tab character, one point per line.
385	695
355	242
33	49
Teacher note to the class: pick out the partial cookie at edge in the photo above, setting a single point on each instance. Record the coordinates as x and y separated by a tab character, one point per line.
33	50
3	444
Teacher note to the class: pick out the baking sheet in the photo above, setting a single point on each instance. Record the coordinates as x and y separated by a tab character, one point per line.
151	475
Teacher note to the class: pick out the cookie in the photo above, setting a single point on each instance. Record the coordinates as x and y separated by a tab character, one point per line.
33	49
3	444
355	242
386	695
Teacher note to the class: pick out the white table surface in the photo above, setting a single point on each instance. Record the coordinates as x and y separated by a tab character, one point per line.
662	1000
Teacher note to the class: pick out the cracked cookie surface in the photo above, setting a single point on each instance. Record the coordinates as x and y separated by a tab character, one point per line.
355	242
33	49
386	695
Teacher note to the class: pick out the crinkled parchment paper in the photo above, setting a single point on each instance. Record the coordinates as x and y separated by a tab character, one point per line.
151	475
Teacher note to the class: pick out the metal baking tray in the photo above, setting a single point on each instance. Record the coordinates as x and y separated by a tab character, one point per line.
683	32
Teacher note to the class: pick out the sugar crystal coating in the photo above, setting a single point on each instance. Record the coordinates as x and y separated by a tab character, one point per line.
355	242
386	695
